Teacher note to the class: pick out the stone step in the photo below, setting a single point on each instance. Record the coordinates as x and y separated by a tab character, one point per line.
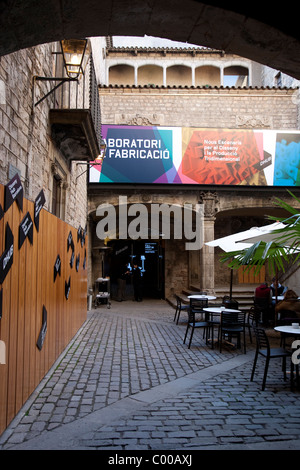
243	290
244	307
242	294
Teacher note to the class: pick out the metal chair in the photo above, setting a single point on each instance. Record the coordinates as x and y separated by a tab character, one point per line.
287	317
197	318
179	307
252	320
263	307
263	348
232	324
229	302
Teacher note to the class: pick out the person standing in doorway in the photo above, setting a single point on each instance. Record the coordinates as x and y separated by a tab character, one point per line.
137	283
122	276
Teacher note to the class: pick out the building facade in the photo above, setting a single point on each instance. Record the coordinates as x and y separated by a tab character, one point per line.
195	88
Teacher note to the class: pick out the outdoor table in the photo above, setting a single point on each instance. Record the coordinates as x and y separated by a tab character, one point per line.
279	297
216	311
289	330
200	297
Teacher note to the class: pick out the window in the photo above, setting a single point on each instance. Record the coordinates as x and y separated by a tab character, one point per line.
58	191
55	196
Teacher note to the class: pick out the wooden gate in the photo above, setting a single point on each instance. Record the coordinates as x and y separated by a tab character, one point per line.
35	302
248	276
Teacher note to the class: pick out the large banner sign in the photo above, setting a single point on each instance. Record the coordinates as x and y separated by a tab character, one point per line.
174	155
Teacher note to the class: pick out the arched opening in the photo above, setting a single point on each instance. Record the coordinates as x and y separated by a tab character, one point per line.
207	75
236	76
235	220
121	75
179	75
150	75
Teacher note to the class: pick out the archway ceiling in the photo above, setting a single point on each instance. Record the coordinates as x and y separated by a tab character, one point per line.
267	34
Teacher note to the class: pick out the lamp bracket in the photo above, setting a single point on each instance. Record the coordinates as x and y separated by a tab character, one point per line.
89	164
61	80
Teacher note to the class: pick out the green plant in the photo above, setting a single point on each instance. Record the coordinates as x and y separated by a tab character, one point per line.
283	250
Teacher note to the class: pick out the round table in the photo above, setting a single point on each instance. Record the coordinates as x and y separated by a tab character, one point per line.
288	329
220	310
201	297
280	297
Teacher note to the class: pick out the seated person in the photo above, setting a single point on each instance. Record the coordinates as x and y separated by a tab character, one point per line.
280	289
289	307
263	292
262	302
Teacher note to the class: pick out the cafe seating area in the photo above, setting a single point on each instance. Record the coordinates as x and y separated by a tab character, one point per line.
226	327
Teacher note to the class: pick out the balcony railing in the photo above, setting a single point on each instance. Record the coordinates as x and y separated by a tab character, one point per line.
75	117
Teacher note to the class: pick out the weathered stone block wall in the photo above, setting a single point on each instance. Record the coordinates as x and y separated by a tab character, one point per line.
25	141
176	272
201	107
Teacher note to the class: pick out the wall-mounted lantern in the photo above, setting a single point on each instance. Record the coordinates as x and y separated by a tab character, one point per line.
76	53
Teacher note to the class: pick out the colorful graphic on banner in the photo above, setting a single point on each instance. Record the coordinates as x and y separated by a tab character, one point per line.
136	154
221	156
199	156
287	159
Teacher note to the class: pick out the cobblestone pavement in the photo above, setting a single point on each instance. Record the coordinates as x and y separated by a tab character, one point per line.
127	382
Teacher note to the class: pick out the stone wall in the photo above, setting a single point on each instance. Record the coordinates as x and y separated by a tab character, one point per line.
201	107
25	141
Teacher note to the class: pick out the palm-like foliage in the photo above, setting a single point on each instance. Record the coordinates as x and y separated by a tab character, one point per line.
284	249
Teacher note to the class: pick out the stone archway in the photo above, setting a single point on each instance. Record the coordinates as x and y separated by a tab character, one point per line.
171	229
269	37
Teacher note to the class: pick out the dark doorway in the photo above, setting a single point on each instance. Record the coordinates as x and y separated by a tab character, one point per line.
148	255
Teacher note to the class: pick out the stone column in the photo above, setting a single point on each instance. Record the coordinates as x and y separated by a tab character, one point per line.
193	76
221	76
135	76
164	76
206	254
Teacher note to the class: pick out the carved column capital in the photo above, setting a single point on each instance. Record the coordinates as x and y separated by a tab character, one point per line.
210	201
